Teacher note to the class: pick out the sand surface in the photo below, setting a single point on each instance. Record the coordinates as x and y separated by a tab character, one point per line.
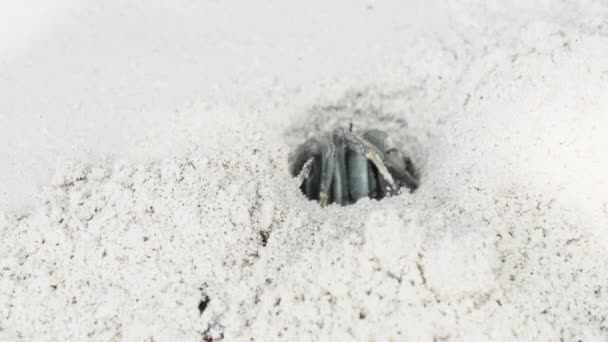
207	237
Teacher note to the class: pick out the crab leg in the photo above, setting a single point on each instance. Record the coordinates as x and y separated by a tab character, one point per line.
340	179
374	155
373	183
328	164
393	159
396	164
358	175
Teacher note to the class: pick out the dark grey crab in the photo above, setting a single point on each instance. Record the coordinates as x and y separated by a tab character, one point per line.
343	166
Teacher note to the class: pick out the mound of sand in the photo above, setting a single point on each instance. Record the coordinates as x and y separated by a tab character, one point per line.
505	239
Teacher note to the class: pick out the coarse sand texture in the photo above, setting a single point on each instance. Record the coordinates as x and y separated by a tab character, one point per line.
506	238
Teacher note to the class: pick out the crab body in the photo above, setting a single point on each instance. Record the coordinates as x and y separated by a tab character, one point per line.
344	166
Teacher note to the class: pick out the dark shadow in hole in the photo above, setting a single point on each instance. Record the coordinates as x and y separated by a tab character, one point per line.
264	236
202	305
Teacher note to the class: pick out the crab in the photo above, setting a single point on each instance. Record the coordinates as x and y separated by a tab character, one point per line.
343	166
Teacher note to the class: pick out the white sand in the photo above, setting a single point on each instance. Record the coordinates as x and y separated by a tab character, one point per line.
506	115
